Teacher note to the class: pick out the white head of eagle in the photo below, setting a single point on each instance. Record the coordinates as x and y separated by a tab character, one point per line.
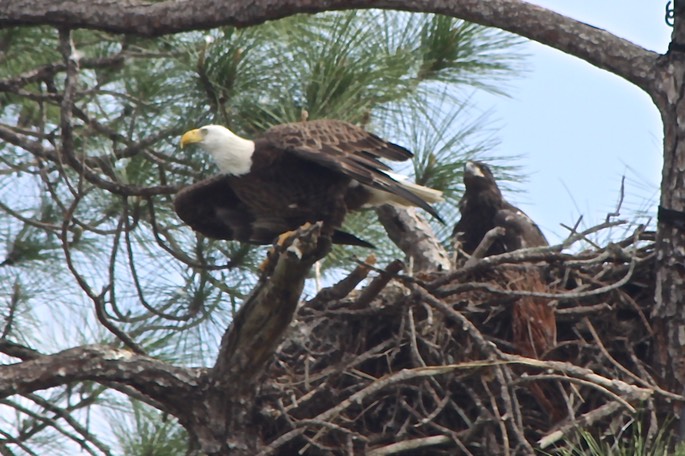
231	153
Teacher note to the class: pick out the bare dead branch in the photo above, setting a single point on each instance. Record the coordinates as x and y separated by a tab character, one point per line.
84	437
346	285
379	283
534	254
37	149
485	244
616	212
97	299
408	445
49	71
415	237
585	420
584	310
566	295
18	351
358	397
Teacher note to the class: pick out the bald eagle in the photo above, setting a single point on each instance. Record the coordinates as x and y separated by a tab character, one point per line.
483	208
292	174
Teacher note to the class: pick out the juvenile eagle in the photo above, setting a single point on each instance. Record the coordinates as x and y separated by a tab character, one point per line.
483	208
292	174
533	321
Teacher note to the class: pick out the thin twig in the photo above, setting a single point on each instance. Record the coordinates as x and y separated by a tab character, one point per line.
408	445
485	244
377	285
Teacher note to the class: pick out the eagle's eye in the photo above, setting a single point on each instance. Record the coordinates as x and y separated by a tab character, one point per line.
204	131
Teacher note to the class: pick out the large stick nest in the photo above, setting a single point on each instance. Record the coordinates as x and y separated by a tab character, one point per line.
465	361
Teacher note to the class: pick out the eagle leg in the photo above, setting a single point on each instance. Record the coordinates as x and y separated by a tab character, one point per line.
278	244
283	237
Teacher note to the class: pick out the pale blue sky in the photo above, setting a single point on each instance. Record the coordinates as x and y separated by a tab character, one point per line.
579	128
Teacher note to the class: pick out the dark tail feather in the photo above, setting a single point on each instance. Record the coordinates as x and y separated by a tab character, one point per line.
341	237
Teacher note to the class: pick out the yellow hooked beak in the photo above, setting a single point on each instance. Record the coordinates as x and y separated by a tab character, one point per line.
191	137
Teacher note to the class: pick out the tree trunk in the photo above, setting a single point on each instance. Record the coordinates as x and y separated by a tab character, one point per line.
669	318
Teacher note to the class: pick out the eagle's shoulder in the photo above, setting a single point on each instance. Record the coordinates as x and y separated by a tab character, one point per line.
335	138
520	230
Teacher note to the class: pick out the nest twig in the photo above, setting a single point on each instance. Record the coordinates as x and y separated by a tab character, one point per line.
432	364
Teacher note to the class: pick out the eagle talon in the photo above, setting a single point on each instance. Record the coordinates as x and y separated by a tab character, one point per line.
283	238
294	250
279	244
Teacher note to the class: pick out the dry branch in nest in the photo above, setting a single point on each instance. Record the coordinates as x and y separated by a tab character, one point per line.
436	364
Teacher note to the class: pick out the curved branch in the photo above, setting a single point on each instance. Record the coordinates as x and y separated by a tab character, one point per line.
161	381
589	43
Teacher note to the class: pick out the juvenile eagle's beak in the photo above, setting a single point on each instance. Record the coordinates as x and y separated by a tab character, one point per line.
191	137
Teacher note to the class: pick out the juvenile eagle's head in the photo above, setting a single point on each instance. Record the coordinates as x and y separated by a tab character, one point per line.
478	177
481	193
231	153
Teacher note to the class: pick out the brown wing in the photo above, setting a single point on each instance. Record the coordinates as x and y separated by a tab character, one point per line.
521	231
212	208
347	149
342	137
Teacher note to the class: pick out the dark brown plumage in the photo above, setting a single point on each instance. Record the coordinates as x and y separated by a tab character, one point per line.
293	174
483	208
532	319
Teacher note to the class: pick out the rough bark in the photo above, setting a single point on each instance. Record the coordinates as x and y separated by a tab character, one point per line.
263	318
668	95
168	385
220	423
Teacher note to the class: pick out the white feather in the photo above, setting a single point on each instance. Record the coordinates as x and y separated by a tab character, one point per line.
231	153
379	197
